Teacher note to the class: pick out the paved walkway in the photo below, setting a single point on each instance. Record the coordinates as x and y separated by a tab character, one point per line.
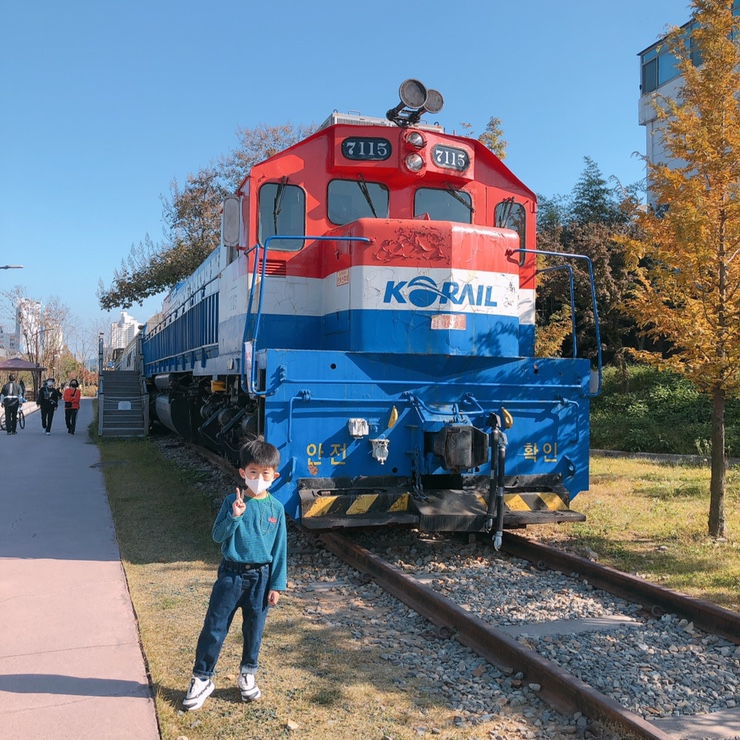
70	661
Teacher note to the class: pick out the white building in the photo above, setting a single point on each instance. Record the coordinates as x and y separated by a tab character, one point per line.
660	78
29	327
8	343
123	331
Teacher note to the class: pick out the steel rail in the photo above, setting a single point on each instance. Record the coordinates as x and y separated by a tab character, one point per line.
709	617
563	691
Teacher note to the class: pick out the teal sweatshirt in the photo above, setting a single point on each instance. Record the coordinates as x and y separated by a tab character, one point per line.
259	535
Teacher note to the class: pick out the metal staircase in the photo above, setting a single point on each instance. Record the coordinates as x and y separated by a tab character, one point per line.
123	403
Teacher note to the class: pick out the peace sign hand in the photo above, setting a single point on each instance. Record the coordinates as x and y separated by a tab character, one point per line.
238	507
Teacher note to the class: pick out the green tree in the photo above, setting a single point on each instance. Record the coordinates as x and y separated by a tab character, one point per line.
593	201
192	219
685	250
493	138
257	144
586	222
42	327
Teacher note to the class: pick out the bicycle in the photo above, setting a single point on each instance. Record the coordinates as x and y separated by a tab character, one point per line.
21	420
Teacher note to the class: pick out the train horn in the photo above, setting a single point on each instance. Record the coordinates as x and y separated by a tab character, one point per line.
416	100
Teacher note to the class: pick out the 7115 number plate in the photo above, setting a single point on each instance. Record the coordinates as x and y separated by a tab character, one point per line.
366	148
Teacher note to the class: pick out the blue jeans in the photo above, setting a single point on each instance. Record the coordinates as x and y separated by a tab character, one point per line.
235	587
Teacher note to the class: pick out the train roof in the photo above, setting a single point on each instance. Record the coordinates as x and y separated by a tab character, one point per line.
337	119
356	119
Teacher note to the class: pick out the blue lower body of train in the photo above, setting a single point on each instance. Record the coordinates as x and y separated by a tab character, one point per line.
374	439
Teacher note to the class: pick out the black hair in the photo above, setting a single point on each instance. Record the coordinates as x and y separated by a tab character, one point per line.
11	378
260	453
73	383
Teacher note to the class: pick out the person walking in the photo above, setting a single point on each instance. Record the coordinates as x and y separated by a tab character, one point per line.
10	396
251	530
71	405
48	400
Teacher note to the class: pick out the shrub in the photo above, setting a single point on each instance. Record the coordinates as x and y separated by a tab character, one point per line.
660	412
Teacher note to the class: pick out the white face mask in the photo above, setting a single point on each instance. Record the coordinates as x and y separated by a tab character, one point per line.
257	485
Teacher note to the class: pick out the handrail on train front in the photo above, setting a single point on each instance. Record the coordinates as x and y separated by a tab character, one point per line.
252	379
509	252
263	257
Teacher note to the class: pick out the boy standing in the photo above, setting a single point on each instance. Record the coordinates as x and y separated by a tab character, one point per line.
251	529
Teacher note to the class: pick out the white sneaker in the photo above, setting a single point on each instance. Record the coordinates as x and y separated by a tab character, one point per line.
250	690
200	689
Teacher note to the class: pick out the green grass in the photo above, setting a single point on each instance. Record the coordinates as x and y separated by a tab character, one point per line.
650	517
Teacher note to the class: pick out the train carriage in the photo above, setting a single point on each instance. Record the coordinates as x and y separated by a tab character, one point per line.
371	313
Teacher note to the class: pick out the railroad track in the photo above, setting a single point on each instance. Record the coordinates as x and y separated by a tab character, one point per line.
520	651
657	599
560	688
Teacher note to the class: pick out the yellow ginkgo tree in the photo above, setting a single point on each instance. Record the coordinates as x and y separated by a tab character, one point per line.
685	248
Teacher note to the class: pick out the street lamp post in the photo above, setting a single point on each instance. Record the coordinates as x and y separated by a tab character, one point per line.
11	267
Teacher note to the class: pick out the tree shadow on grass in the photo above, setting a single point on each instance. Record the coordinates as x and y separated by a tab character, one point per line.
319	671
669	565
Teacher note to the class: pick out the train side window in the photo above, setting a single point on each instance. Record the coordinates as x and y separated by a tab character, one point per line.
511	215
349	200
282	211
444	205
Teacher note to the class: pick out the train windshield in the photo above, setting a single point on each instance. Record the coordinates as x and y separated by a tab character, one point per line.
282	212
511	215
349	200
444	205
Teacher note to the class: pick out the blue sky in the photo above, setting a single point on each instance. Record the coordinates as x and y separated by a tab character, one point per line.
103	103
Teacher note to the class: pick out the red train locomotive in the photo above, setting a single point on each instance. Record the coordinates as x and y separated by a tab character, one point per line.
372	314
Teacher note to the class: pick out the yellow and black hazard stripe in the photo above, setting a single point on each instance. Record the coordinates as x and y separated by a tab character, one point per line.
538	501
349	505
534	501
446	510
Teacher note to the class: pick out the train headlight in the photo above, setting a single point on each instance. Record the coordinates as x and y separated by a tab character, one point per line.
414	162
358	427
380	449
416	140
